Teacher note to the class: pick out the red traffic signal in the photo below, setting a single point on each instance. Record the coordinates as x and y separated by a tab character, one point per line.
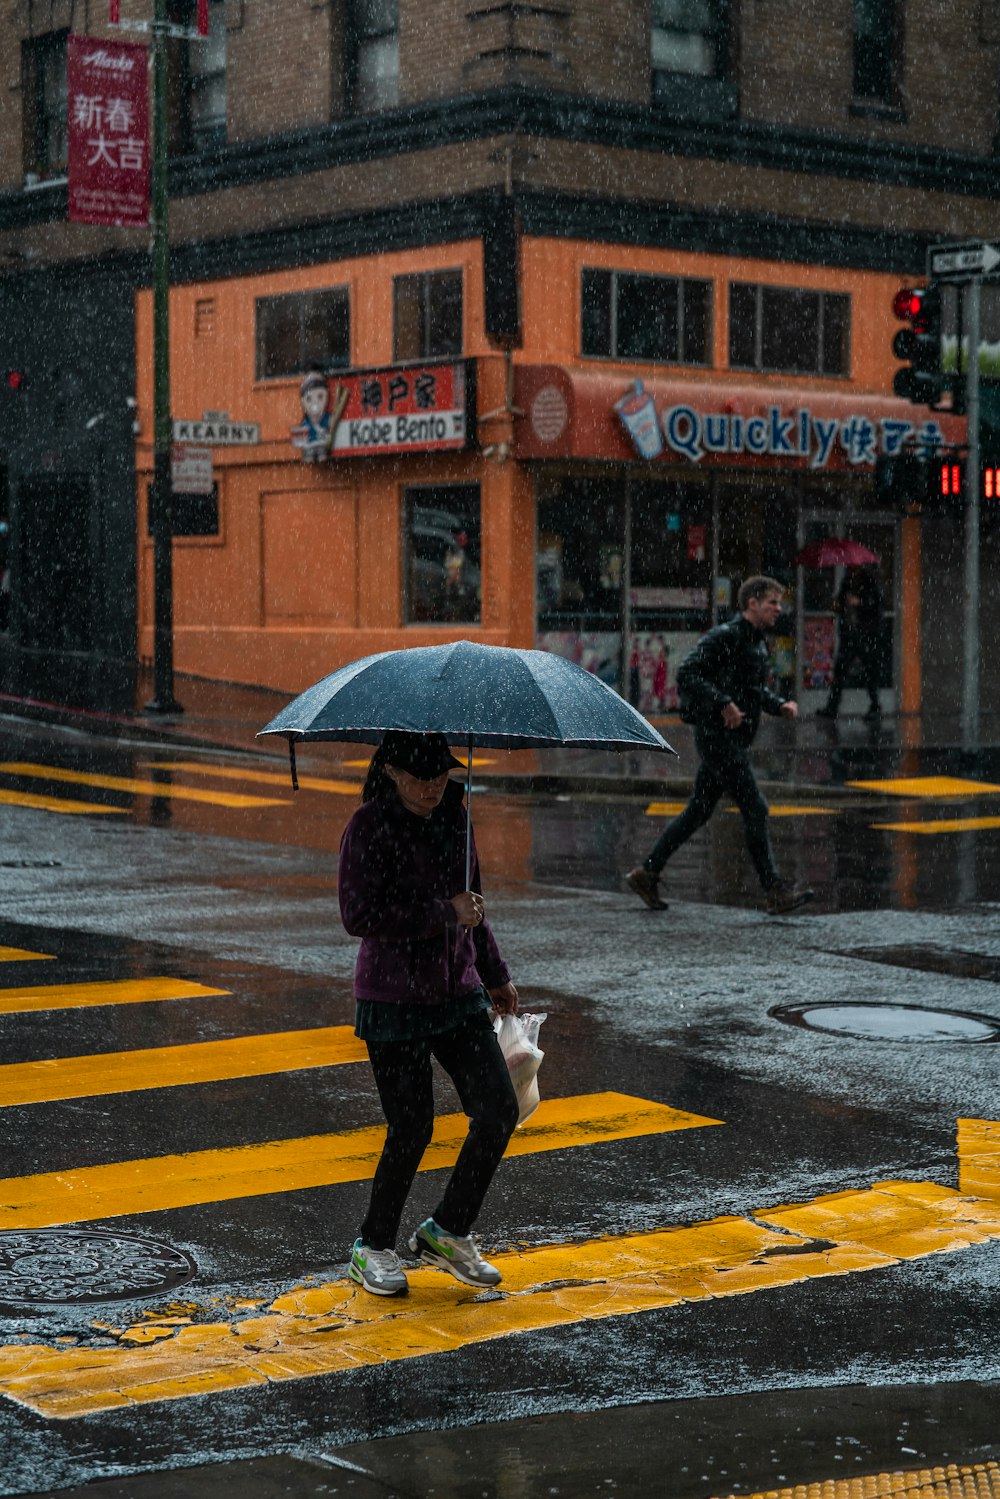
920	380
13	379
907	303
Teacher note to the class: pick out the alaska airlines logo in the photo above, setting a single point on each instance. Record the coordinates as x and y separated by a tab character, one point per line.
108	60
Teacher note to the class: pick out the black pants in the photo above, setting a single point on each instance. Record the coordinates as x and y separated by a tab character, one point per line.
472	1058
723	770
855	645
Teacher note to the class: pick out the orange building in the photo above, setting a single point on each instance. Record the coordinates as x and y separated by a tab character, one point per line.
520	509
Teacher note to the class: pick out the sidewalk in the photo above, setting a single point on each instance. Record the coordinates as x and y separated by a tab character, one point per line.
810	758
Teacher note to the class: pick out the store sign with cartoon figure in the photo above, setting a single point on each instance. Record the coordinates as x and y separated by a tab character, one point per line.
405	409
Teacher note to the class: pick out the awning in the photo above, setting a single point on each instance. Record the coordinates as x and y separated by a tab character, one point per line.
569	413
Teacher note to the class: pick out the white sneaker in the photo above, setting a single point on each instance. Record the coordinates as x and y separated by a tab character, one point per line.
458	1255
377	1270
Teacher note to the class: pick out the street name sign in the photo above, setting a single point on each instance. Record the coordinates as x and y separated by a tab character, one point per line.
217	432
962	262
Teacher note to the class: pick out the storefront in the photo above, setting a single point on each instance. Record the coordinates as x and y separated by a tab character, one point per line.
638	555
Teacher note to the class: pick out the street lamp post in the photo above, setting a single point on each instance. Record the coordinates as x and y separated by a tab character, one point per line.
161	496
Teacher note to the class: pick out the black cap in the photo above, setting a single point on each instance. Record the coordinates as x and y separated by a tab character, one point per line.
425	756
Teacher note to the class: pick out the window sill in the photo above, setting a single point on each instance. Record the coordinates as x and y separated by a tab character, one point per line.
876	109
684	98
34	183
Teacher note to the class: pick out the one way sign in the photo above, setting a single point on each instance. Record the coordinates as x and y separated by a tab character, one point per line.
962	262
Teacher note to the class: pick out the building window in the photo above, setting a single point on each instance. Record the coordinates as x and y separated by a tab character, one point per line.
43	77
303	330
191	514
662	319
788	331
875	51
201	73
442	550
687	37
373	55
427	315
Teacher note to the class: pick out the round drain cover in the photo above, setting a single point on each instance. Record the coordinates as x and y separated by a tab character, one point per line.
59	1265
888	1022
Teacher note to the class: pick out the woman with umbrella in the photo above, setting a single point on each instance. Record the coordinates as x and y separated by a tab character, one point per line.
428	974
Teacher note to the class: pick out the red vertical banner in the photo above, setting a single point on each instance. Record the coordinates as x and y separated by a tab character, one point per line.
115	13
108	118
203	17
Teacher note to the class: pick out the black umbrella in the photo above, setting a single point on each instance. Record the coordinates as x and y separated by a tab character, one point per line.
489	695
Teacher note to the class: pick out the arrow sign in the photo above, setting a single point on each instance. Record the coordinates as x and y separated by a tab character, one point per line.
962	262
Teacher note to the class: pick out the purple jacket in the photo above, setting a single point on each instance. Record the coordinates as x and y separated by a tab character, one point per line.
396	877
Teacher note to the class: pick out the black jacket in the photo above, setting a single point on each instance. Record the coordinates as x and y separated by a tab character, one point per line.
728	665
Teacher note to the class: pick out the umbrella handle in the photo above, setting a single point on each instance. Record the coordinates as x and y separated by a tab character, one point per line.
291	764
468	814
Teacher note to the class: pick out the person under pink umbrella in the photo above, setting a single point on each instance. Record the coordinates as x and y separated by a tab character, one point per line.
858	607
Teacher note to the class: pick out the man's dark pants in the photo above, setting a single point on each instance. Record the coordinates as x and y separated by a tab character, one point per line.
725	770
862	645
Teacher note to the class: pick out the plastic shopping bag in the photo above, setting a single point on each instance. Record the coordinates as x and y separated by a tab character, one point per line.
518	1037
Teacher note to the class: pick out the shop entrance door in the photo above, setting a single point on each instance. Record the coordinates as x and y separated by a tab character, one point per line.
817	622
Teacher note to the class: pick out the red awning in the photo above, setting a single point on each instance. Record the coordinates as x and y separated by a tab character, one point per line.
574	414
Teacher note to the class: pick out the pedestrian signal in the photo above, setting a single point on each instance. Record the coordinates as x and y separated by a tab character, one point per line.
920	380
991	482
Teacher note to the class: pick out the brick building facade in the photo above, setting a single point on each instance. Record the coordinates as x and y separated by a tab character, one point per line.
808	151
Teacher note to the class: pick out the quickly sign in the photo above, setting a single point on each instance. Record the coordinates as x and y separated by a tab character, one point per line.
108	128
695	434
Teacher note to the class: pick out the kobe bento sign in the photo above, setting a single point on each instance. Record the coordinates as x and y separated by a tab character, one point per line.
403	409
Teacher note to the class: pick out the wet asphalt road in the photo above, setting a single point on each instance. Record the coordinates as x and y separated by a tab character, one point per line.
671	1008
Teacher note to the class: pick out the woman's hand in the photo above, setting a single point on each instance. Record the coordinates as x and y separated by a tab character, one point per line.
469	908
504	999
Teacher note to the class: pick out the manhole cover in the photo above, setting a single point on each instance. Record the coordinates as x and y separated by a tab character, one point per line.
62	1265
887	1022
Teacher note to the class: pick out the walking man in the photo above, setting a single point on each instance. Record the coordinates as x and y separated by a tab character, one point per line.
723	689
858	606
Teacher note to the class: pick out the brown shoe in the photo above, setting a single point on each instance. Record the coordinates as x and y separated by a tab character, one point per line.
782	898
645	884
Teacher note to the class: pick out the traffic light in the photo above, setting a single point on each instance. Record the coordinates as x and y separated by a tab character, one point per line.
920	380
13	380
950	482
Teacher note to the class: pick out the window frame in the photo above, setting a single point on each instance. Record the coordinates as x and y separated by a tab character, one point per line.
821	294
888	99
357	40
719	34
427	279
189	134
615	275
38	120
306	360
409	494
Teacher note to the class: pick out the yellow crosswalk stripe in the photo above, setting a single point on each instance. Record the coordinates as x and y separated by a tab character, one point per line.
973	1481
941	786
21	955
263	777
105	992
173	1066
941	825
56	804
780	809
323	1329
86	1193
135	787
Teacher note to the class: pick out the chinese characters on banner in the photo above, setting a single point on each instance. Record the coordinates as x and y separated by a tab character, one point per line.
108	119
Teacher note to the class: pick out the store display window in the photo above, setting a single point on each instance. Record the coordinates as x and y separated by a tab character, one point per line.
442	554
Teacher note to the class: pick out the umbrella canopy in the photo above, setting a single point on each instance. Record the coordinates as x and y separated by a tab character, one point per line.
490	695
834	551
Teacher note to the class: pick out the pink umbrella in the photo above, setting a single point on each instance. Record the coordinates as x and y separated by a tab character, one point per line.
834	551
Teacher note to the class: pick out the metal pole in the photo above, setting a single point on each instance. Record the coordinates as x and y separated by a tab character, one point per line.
970	640
626	603
161	497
